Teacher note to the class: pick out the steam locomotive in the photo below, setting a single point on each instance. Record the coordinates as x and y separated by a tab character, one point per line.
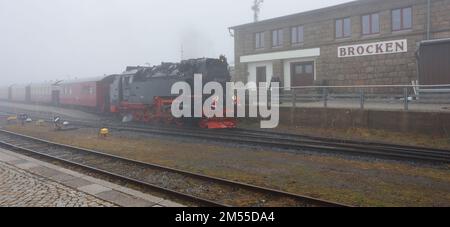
138	94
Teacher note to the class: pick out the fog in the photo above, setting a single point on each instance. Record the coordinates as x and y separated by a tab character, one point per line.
43	40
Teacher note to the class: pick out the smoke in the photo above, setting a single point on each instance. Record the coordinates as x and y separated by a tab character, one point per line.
48	40
196	44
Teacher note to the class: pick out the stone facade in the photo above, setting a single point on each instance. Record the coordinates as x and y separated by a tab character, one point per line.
319	34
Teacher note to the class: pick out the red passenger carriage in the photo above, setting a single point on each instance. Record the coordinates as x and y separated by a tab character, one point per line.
92	94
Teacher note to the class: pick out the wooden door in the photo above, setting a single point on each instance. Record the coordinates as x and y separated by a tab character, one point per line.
302	74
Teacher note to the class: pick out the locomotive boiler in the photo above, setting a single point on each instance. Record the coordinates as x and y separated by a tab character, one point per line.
144	93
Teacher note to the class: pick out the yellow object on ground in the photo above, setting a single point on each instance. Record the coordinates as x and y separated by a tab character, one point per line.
104	132
12	118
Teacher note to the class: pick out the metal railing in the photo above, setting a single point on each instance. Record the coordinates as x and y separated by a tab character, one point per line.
348	96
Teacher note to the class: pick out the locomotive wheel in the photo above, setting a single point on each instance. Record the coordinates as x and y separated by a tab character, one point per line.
146	117
179	123
202	124
137	116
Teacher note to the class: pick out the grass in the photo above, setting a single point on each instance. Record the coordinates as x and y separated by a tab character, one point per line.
383	136
349	180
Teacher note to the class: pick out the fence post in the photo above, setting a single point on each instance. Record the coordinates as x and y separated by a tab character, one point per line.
294	106
406	101
362	99
325	97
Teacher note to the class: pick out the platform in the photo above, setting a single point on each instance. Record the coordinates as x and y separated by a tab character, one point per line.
370	105
27	182
50	109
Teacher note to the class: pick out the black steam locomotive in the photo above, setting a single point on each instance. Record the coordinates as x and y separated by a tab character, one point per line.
144	93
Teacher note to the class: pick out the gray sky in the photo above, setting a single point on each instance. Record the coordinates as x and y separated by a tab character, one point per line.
43	40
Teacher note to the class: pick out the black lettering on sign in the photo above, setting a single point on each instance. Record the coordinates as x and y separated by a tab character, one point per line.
399	47
369	49
379	48
360	50
388	47
351	51
343	52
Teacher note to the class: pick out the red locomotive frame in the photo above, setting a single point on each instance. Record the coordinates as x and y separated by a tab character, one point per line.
160	113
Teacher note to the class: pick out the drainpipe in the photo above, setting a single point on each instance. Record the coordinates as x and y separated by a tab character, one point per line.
428	19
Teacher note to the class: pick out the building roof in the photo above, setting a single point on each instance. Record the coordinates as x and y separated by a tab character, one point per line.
434	42
344	5
83	80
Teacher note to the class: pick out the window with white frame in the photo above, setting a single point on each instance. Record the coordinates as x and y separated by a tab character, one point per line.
402	19
277	38
297	35
259	40
343	28
371	24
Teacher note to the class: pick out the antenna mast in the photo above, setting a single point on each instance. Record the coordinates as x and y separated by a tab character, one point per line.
182	52
256	9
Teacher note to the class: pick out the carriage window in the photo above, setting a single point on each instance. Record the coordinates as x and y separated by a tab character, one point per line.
88	90
126	80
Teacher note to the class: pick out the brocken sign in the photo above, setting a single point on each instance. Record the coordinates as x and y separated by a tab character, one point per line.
389	47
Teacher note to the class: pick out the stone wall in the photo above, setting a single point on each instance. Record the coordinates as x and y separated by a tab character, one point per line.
319	31
394	121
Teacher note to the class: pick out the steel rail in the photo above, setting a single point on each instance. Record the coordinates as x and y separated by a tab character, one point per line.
140	183
287	141
256	138
346	141
309	201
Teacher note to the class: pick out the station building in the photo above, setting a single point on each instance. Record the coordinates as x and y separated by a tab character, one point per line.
365	42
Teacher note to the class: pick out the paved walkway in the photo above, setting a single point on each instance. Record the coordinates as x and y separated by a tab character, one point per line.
22	189
27	182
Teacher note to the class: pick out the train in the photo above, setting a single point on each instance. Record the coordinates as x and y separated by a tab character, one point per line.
140	93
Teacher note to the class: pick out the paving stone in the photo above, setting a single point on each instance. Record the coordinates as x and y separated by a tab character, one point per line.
37	193
27	165
7	158
150	198
76	182
124	200
62	177
19	188
45	171
94	189
167	203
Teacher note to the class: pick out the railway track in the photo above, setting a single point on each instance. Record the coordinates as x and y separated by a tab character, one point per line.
199	189
291	142
294	142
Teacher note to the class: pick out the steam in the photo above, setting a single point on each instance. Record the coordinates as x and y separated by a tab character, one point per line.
196	44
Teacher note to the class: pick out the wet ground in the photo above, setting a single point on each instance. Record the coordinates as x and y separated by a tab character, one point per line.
346	179
369	135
